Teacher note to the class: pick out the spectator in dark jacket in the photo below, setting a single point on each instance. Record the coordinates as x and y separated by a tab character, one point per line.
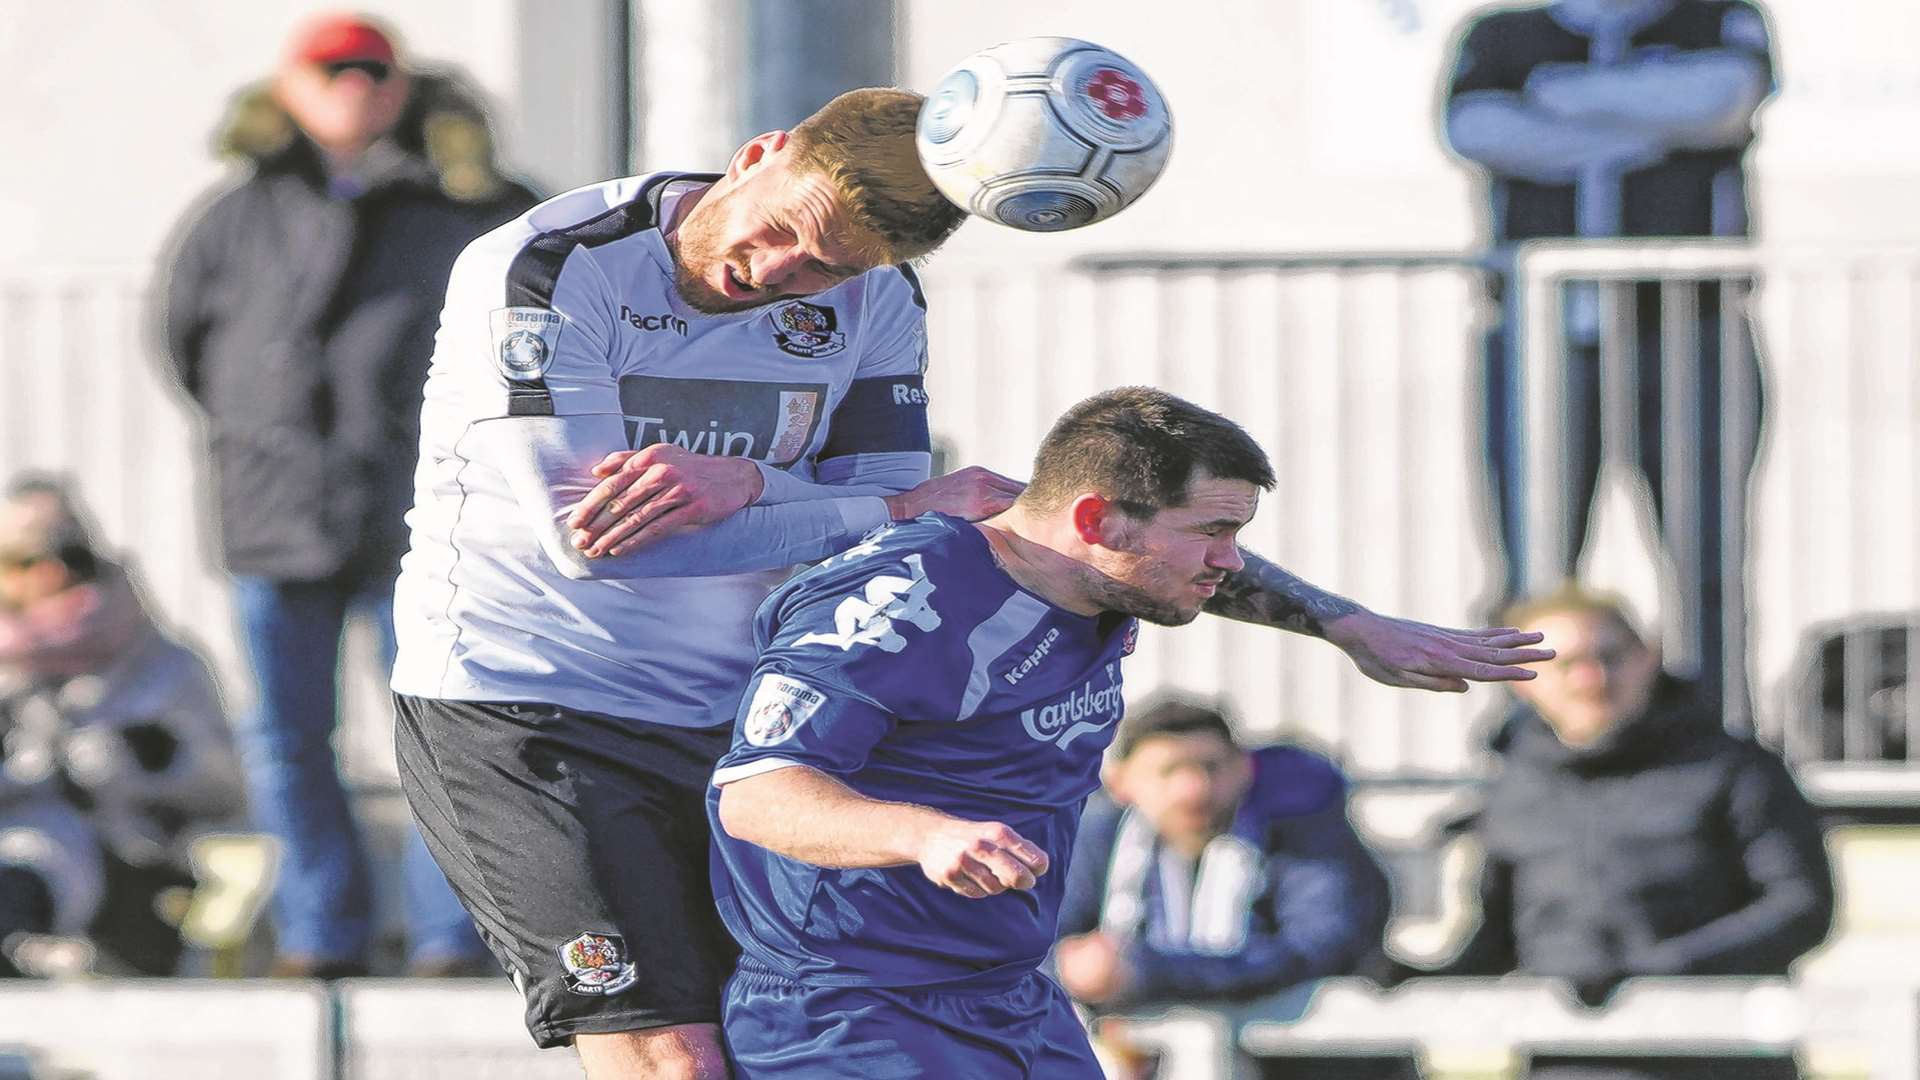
1629	833
1214	872
300	316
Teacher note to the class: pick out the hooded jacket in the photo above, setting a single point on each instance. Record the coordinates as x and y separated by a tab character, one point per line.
1666	847
1287	894
301	320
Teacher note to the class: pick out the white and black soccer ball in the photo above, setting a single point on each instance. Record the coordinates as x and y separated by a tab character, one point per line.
1044	133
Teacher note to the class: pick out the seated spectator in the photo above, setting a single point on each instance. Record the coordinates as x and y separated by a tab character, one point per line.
1213	872
1628	833
114	749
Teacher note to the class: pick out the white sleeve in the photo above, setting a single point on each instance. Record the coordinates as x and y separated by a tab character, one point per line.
546	463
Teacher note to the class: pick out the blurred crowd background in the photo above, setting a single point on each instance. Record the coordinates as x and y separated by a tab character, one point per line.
1687	434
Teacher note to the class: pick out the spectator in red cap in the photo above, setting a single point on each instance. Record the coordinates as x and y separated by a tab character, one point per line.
300	314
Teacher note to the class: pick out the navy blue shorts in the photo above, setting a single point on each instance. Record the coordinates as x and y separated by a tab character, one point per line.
775	1027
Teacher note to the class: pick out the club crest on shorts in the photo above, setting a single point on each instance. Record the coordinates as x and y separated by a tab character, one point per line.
807	330
524	340
598	965
780	705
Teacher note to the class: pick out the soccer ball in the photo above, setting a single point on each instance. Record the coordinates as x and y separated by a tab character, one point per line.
1044	134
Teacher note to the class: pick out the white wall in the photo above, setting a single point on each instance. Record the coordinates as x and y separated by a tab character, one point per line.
109	106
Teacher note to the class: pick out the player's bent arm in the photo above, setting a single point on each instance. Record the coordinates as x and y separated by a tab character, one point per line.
545	460
863	474
805	814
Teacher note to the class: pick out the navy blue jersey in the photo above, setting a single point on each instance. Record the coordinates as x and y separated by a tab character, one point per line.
915	670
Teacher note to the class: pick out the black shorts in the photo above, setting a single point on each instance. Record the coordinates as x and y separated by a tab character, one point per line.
579	843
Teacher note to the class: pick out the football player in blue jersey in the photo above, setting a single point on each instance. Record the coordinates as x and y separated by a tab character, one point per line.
924	724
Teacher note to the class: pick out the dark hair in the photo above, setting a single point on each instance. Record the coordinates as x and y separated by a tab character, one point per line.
1138	447
862	142
68	538
1169	716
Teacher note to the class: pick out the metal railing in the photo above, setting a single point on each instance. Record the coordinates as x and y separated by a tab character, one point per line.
1359	372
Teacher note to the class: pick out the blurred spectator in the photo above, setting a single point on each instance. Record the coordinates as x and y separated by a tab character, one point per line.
1213	872
1628	833
1622	118
114	749
300	314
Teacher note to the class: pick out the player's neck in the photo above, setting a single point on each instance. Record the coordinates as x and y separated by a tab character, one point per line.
1037	561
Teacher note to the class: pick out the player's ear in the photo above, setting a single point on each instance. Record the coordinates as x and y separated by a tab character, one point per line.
755	151
1094	519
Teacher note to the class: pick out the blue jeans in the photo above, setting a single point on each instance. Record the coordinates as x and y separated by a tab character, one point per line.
323	904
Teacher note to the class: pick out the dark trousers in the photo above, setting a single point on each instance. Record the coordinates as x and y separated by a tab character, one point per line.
1715	460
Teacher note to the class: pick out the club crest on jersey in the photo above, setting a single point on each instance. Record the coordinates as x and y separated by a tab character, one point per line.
598	965
886	601
1132	640
524	340
807	330
779	707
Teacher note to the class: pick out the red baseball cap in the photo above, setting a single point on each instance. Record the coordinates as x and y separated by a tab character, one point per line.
329	39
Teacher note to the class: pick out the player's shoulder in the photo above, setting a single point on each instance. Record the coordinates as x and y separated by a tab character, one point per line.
542	238
895	287
934	574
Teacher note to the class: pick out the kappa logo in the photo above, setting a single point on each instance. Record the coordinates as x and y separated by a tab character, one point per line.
524	340
1033	659
598	965
807	330
780	707
887	599
1079	713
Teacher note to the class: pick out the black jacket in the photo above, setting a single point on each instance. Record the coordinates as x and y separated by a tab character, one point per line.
1668	847
301	321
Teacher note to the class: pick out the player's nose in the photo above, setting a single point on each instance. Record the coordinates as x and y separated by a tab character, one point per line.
774	266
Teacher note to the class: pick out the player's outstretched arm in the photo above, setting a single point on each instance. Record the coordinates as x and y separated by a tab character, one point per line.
1397	652
805	814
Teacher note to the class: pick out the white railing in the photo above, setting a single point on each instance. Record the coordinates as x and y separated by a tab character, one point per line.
374	1029
1484	1026
1359	375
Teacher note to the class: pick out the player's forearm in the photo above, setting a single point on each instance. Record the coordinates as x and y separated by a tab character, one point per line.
807	815
1267	595
874	474
546	462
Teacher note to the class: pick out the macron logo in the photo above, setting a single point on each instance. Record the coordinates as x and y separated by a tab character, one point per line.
662	321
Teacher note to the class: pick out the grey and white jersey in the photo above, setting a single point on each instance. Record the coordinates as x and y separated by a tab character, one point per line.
563	340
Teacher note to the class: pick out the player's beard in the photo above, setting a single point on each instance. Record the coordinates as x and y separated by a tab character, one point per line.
696	251
1143	603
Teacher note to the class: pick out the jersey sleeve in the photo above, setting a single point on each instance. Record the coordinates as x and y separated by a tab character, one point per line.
877	438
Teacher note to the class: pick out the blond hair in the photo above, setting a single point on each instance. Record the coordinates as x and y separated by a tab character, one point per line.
1573	599
862	143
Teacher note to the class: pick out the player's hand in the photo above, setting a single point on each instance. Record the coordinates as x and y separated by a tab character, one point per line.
660	491
1401	652
1092	968
980	858
972	493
